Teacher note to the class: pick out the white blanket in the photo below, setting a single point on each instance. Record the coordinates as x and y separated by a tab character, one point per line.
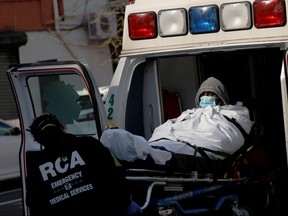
201	127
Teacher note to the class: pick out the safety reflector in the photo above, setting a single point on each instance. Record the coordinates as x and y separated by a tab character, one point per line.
204	19
142	25
269	13
172	22
235	16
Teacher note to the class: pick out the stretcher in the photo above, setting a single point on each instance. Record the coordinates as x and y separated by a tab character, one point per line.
191	185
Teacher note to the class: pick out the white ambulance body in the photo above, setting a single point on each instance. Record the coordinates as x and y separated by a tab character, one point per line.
174	45
169	48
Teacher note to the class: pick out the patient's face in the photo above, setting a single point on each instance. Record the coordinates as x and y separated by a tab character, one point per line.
212	94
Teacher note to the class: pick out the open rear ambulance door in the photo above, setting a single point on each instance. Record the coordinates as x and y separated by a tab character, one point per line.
65	89
284	87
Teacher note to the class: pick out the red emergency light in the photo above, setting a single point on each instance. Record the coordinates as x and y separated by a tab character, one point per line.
269	13
142	25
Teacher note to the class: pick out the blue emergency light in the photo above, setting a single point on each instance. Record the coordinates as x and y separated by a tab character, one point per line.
204	19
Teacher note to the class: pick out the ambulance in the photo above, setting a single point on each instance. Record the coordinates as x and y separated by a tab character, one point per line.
170	47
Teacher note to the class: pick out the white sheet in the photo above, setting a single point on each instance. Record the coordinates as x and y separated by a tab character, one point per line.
204	127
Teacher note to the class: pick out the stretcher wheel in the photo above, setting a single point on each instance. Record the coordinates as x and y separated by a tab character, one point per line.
241	210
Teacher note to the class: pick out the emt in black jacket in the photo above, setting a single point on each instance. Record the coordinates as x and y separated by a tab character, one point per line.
73	175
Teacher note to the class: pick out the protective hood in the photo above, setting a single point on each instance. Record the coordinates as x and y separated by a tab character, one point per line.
212	85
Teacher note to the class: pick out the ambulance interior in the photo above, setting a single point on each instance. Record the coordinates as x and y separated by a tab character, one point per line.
250	75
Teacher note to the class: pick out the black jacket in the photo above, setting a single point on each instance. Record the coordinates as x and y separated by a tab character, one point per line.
80	179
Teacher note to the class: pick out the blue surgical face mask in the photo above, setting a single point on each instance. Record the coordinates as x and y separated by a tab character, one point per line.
207	100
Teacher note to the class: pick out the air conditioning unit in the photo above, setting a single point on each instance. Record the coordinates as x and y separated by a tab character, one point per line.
102	26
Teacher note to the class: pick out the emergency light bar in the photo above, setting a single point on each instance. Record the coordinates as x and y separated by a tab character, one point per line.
207	19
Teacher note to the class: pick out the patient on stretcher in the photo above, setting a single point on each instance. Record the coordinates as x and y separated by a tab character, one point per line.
213	124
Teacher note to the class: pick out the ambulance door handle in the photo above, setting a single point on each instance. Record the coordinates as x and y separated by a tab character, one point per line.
151	119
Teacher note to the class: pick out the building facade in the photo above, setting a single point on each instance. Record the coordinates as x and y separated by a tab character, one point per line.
45	30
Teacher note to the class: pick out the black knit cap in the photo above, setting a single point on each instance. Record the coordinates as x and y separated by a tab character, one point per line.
44	126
